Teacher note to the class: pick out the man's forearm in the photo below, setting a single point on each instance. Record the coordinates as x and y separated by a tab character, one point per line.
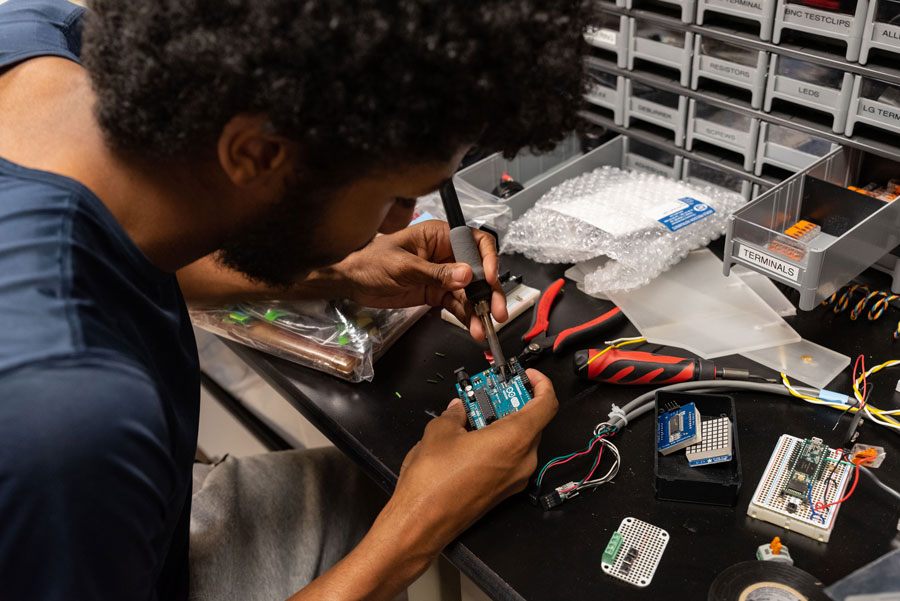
207	282
395	552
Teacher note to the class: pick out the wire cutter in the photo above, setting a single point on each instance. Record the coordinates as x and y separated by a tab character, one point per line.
537	339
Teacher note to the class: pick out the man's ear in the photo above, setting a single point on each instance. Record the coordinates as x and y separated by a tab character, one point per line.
249	153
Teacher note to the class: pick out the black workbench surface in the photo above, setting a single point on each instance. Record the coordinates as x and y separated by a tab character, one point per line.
519	552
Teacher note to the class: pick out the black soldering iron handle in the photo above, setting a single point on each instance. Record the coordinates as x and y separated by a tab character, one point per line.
463	243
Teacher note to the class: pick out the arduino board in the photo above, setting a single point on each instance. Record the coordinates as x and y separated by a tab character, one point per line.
678	428
488	396
801	464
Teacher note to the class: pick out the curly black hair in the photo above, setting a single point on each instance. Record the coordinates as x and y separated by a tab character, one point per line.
371	80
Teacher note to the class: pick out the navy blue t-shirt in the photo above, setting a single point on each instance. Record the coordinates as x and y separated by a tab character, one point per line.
99	381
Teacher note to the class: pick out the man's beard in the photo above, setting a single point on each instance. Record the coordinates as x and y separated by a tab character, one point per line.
283	244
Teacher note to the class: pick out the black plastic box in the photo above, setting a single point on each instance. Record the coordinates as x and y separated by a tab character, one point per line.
716	484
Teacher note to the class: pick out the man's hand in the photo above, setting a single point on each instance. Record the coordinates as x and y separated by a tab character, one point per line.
415	266
448	480
453	476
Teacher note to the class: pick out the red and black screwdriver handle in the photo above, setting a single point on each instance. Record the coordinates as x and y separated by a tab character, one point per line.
540	322
639	368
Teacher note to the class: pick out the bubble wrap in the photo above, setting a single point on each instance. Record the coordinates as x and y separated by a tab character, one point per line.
616	213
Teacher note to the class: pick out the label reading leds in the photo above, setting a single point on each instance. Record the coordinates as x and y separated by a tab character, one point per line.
693	212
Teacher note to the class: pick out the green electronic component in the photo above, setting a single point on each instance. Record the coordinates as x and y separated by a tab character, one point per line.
612	548
806	468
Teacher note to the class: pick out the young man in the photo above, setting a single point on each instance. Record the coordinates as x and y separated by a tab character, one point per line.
139	137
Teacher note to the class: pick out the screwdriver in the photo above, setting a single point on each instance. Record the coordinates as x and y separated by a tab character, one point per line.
466	251
639	368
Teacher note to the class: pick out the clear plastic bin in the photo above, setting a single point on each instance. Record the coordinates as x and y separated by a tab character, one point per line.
696	172
606	95
811	86
874	103
882	29
723	128
644	157
683	8
662	46
813	233
608	36
658	107
756	11
734	65
841	20
789	149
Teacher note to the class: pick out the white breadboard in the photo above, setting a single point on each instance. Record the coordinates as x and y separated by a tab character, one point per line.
650	542
771	505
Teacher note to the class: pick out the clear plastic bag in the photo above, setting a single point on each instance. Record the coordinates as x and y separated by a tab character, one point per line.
644	223
336	337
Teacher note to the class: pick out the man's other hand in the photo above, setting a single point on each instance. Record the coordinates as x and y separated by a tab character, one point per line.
453	476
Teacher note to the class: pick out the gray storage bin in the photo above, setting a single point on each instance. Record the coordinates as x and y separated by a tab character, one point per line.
720	127
662	46
607	91
844	22
609	32
685	8
734	65
539	173
759	11
857	230
788	148
882	28
527	168
699	173
810	85
644	157
659	107
875	103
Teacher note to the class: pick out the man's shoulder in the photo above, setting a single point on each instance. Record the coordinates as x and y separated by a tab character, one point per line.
39	27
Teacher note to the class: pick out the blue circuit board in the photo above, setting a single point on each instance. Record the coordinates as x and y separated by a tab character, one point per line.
678	429
487	397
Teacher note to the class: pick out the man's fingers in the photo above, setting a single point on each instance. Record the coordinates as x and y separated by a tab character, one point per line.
498	304
455	413
488	248
543	406
456	303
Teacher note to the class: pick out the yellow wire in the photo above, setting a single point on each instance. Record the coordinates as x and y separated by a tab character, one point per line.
612	346
881	415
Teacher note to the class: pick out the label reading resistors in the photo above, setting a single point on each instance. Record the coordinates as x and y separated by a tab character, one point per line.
769	263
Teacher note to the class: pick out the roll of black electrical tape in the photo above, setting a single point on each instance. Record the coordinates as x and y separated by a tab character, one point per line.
765	581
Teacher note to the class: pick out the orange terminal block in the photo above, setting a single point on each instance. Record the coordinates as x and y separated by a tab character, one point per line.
774	551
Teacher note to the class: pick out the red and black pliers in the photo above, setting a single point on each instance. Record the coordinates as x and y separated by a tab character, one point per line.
537	340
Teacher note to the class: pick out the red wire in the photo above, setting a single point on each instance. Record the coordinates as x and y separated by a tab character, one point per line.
588	477
596	463
819	506
577	454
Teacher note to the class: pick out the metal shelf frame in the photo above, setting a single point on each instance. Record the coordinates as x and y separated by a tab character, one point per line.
875	146
747	40
712	160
